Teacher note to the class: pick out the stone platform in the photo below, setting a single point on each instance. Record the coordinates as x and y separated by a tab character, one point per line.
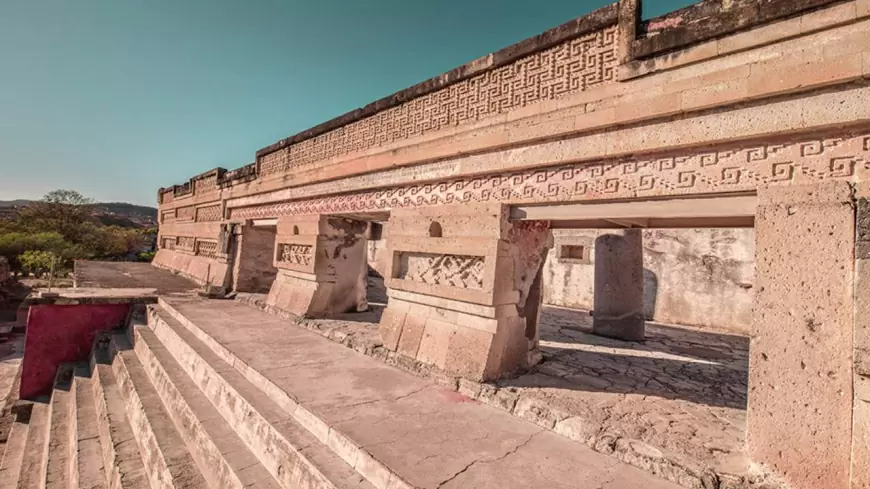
108	274
674	405
204	393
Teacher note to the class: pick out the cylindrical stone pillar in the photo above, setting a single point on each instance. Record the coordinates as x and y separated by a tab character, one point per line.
618	300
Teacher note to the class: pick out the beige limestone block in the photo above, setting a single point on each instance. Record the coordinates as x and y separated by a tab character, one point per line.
861	433
470	352
713	95
390	328
761	35
827	17
800	378
777	80
435	342
412	334
862	8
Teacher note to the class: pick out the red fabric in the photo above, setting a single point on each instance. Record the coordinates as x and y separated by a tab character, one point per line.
60	334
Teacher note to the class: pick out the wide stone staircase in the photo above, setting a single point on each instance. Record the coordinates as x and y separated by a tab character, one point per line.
183	400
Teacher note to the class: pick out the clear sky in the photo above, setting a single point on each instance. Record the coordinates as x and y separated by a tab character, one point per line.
118	98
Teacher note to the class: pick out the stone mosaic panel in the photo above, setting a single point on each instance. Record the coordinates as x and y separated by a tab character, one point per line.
206	184
295	254
573	66
207	249
167	243
184	213
208	213
185	243
737	168
462	271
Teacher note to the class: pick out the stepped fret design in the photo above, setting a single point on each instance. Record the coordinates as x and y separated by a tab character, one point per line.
742	168
454	270
295	254
209	213
185	243
572	66
207	249
184	213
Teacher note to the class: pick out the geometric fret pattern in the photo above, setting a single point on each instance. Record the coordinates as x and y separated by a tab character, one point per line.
209	213
734	168
454	270
572	66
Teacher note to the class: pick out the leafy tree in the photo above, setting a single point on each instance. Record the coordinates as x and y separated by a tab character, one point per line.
60	211
66	197
39	262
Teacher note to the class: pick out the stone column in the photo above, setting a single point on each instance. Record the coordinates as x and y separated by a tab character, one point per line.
800	370
861	317
460	287
618	299
319	260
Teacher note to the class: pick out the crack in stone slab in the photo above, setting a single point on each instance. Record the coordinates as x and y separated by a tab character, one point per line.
507	454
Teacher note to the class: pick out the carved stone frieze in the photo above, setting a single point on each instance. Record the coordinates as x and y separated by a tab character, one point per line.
462	271
729	169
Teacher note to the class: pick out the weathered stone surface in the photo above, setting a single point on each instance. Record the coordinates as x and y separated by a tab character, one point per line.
619	298
321	266
801	355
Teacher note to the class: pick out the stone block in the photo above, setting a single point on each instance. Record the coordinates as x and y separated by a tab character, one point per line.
712	95
470	354
390	328
800	360
412	334
802	76
760	35
435	342
827	17
861	433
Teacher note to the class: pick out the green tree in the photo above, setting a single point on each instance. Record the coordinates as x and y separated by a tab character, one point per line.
39	262
60	211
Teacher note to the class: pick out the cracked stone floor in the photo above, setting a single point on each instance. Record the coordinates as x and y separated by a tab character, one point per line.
678	397
433	436
682	392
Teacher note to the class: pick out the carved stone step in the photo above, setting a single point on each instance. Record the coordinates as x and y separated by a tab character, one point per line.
35	459
59	447
87	470
10	467
124	468
167	461
293	456
223	458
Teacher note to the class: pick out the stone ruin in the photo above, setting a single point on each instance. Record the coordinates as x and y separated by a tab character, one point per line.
707	167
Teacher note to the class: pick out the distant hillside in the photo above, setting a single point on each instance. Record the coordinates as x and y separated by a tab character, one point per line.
14	203
109	213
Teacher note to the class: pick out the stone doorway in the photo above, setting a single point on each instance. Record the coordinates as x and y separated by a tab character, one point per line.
254	268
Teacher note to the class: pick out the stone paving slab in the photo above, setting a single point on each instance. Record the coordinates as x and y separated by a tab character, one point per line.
673	405
105	274
430	435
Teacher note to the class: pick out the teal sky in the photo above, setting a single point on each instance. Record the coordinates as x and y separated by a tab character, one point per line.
118	98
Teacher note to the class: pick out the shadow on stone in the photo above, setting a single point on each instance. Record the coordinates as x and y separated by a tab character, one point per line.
673	363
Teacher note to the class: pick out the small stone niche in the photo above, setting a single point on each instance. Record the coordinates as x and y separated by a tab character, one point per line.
574	252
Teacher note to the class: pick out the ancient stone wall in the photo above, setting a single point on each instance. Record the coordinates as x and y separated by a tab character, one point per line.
698	277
